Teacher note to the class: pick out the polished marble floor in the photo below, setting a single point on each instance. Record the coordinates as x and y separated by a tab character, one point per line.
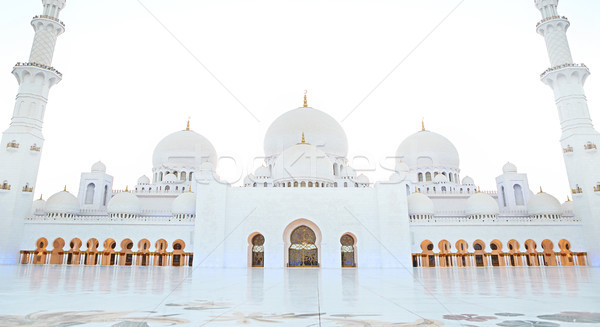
166	296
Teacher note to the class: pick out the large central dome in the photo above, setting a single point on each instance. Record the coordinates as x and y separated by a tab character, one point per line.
427	149
321	130
184	148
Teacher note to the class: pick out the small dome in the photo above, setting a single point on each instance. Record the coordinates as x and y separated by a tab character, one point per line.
249	180
38	206
99	167
481	204
184	204
401	167
184	149
262	172
321	130
62	202
567	208
303	161
397	177
124	203
427	149
440	179
543	204
509	168
143	180
362	179
170	179
420	204
347	172
468	181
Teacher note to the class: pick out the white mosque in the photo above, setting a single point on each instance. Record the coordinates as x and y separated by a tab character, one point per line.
305	207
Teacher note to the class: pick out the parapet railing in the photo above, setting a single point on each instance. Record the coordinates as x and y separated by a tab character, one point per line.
50	18
35	64
549	70
547	19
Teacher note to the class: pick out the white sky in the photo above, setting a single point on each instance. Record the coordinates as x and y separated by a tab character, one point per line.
128	83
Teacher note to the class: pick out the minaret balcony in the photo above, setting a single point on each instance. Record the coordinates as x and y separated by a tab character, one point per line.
34	64
547	19
563	66
50	18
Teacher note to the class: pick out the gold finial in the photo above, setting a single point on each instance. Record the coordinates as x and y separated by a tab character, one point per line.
303	140
478	189
541	191
127	188
568	199
416	190
41	196
423	124
305	100
65	189
188	125
190	189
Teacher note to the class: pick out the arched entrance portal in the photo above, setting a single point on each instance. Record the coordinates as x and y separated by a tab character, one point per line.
303	252
258	251
348	251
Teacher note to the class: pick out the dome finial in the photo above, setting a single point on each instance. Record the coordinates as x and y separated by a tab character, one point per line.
568	199
303	140
188	124
190	189
478	189
41	196
305	100
423	124
541	191
127	188
65	189
416	190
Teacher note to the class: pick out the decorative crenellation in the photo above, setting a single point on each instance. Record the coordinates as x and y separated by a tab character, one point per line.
35	148
597	188
577	190
5	186
34	64
12	144
27	189
590	146
50	18
568	149
549	70
549	19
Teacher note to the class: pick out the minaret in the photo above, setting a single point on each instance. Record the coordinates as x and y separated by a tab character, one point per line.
22	142
579	139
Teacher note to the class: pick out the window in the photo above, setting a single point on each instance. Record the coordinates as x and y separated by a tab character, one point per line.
89	193
518	195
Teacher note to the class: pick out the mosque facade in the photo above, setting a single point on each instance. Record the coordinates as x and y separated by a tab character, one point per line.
305	206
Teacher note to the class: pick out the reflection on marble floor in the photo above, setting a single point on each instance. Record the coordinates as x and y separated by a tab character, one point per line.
63	296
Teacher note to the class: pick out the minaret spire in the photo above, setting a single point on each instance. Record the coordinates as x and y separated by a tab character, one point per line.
579	139
305	99
19	162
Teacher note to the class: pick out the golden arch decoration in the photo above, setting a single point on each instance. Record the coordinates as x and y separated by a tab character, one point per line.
303	251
